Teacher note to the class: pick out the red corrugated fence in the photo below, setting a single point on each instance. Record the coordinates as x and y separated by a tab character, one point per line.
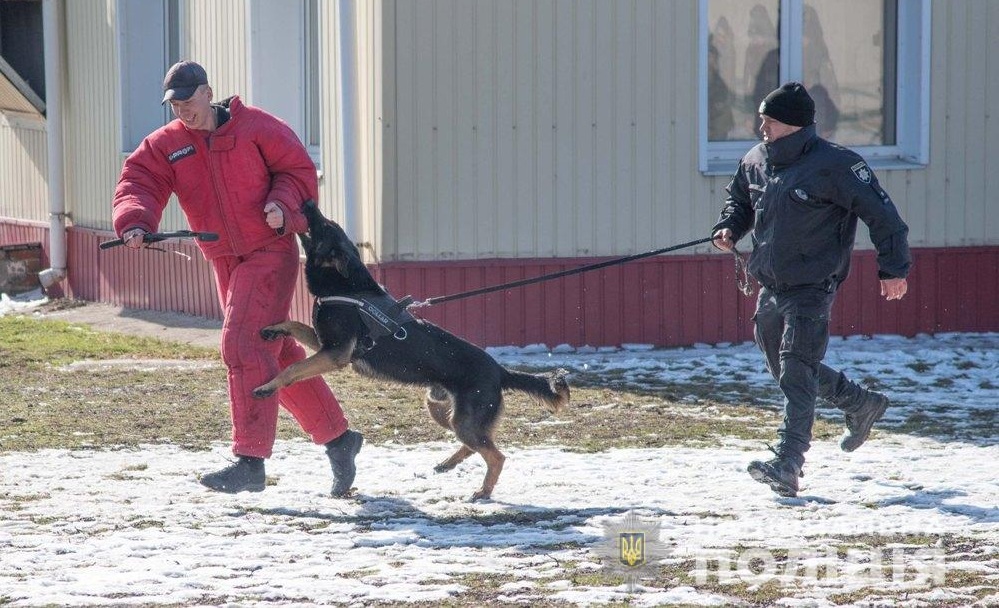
664	301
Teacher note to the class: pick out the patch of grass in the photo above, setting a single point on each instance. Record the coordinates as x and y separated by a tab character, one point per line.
920	367
884	540
45	403
680	573
980	424
874	596
40	408
26	341
358	574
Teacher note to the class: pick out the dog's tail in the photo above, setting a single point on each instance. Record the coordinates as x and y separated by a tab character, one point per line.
549	389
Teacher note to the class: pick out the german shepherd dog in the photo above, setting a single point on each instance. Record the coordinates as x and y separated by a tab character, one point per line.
464	383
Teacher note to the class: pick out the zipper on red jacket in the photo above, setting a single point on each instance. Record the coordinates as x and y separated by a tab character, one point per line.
218	195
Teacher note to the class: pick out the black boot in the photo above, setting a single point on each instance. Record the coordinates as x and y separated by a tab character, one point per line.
779	473
860	422
244	475
341	452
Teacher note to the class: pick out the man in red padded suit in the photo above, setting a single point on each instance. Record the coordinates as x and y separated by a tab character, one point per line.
242	173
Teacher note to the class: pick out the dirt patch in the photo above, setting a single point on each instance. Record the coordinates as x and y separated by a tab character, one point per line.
165	325
139	365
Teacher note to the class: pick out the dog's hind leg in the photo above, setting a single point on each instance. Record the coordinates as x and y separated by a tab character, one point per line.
439	405
494	466
438	402
300	331
474	419
457	458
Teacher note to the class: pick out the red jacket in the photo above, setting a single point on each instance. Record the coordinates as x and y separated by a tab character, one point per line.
223	179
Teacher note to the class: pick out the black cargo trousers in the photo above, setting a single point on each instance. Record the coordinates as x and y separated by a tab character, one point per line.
792	330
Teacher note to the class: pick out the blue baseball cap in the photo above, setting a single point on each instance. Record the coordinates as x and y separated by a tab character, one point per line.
182	80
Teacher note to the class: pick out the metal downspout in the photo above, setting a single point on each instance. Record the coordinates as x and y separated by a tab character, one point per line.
53	12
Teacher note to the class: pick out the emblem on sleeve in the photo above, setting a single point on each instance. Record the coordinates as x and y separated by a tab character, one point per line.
179	154
862	172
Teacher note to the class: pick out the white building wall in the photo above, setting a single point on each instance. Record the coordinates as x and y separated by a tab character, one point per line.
540	128
214	33
23	167
518	128
92	112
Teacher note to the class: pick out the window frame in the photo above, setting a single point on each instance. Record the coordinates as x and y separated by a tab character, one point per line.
912	94
148	37
278	38
312	100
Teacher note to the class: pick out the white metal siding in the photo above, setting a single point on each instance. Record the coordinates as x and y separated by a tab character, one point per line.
331	184
23	167
541	128
522	128
216	32
374	88
91	111
527	128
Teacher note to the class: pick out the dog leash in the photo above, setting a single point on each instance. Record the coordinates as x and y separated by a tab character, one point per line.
742	274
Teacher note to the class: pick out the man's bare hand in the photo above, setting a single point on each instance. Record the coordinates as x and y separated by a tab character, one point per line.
894	289
275	216
723	239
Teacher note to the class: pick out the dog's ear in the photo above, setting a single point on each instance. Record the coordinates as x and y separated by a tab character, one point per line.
344	252
342	265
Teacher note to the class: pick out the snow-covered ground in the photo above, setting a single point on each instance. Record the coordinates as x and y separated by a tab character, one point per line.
905	518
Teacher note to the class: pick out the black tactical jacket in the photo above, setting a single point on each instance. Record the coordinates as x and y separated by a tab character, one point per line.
802	195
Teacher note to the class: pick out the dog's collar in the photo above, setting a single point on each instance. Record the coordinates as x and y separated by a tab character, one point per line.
381	313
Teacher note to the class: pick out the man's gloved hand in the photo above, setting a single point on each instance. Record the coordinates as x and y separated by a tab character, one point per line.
133	238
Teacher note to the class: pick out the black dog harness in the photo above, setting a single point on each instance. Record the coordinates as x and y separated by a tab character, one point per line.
381	313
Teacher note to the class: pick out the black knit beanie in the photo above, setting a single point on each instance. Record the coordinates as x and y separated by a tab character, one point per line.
790	104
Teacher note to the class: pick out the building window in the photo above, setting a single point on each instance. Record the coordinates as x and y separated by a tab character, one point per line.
285	75
864	63
22	49
148	44
313	71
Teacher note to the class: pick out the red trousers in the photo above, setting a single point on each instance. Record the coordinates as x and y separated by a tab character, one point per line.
255	291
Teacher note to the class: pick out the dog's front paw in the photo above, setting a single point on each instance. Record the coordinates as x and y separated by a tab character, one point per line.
273	332
264	391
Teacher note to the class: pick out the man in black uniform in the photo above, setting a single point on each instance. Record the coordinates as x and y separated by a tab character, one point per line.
802	196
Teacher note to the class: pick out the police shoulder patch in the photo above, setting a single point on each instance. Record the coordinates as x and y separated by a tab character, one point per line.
862	172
